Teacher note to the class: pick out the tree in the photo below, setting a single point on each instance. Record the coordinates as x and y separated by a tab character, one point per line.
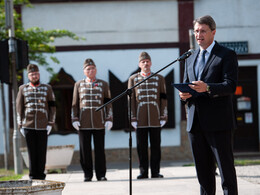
39	40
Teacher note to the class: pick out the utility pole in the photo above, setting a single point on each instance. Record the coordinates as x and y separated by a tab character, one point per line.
18	166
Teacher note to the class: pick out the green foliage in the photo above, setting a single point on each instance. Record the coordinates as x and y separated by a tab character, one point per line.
39	40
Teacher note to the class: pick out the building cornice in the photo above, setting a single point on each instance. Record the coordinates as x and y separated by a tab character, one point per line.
116	46
75	1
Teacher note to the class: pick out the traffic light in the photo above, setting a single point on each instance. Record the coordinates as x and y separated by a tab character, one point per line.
4	61
21	54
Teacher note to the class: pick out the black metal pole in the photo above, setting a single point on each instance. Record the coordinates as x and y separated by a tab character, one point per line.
129	93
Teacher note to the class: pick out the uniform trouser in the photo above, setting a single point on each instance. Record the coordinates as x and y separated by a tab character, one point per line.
86	152
209	148
155	149
36	141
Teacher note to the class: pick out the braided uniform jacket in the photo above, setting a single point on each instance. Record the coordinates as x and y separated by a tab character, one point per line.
87	97
149	103
35	106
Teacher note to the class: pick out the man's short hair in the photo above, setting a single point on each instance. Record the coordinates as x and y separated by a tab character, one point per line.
208	20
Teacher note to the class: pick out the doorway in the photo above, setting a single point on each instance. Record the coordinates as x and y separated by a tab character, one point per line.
246	108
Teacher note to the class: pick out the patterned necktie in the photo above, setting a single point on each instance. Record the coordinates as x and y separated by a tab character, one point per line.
201	64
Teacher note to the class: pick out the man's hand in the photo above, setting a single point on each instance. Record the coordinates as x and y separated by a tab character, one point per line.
134	124
48	128
184	96
76	125
108	125
199	86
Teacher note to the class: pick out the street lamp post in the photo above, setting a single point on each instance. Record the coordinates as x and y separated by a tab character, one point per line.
18	167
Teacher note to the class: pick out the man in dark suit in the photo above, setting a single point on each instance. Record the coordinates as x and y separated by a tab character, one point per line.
210	115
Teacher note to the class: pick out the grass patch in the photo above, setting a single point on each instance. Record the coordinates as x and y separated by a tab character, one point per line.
11	177
188	165
6	175
246	162
238	162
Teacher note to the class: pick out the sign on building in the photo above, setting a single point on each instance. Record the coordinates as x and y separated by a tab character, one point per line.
240	47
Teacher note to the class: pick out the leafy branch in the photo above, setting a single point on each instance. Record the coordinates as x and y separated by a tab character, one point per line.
39	40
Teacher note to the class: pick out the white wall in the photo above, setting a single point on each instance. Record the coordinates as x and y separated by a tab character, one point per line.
120	62
112	22
116	22
237	20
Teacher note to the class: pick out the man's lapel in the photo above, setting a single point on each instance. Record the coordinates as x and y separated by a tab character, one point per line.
192	70
210	60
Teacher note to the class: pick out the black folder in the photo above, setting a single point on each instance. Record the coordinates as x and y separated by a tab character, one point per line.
184	87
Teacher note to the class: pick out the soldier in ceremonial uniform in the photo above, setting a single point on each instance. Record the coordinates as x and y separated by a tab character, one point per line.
36	111
89	94
149	114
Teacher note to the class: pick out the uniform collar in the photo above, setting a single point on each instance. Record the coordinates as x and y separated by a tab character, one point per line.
145	74
32	85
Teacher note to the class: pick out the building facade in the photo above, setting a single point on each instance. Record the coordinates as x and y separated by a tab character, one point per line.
117	31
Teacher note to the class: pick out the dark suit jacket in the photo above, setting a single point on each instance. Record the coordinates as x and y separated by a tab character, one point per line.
215	110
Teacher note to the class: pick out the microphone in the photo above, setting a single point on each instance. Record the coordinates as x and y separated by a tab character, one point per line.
185	55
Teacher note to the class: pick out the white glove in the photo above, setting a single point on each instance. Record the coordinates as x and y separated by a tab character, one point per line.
162	123
48	128
22	131
108	125
76	125
134	124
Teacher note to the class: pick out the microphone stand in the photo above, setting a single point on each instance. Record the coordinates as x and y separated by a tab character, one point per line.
129	93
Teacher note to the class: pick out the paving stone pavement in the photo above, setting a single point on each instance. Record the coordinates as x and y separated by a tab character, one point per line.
249	173
178	180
